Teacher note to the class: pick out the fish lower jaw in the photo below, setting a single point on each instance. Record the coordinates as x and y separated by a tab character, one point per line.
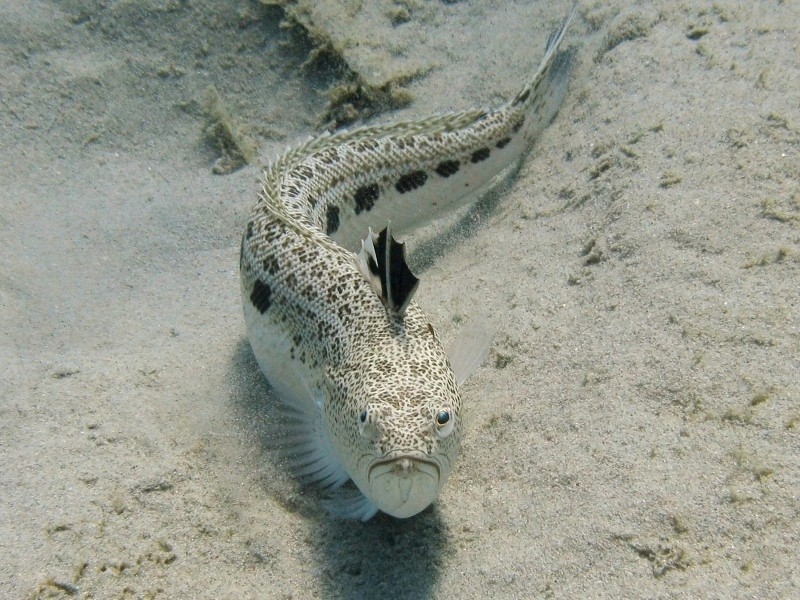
404	486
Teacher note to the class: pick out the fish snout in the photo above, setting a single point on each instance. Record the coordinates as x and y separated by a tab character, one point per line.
404	467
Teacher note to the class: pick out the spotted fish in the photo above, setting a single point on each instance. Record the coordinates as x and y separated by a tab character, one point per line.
370	392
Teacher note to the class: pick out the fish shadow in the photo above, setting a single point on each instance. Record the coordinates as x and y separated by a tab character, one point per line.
382	558
430	248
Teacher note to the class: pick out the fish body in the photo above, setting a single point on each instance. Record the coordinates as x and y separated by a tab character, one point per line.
371	394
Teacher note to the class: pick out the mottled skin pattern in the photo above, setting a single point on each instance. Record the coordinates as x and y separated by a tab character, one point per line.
375	397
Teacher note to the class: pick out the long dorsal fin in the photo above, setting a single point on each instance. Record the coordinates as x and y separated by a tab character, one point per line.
382	261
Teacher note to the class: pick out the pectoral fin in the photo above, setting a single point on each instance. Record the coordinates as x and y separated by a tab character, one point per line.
346	503
468	351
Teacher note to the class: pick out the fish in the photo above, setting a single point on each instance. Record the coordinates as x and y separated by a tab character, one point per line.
374	415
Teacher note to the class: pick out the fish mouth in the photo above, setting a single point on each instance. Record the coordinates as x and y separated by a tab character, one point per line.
403	486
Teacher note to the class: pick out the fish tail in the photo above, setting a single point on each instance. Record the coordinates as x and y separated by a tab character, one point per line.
544	93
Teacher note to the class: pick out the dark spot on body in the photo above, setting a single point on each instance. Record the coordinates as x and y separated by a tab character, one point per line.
249	233
447	168
480	154
366	196
518	125
411	181
329	156
502	143
270	265
261	296
366	145
307	291
522	97
331	295
304	172
332	220
344	310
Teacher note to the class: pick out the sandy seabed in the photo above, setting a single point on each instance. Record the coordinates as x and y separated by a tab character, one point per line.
636	429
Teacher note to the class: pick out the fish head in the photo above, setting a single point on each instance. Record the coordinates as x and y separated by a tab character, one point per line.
408	451
403	431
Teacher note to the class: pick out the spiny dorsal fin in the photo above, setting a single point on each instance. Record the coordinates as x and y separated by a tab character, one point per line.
382	261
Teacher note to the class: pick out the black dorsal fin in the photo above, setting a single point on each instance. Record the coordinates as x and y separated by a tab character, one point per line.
384	259
397	281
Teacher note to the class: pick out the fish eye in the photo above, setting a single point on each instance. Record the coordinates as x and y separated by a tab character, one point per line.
367	422
444	423
363	418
